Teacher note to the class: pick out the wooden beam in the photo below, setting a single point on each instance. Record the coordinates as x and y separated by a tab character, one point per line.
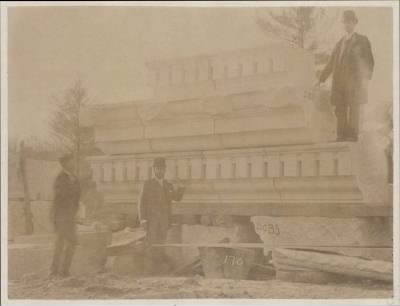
286	209
127	246
339	264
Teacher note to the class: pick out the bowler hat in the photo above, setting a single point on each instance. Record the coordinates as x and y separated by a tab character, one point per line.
159	162
349	15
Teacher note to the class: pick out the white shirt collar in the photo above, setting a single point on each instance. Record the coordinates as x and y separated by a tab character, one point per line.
348	36
68	173
159	180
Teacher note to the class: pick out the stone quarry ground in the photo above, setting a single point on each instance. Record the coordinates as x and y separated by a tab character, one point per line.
109	286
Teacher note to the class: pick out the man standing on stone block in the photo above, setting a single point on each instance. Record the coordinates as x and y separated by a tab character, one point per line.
351	65
155	215
65	207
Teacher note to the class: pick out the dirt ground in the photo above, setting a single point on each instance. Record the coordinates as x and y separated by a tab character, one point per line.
109	286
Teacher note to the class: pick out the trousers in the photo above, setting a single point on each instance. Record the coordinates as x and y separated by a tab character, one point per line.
348	120
64	246
155	259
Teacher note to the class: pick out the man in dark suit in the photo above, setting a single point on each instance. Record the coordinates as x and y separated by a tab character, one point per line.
65	206
155	214
351	65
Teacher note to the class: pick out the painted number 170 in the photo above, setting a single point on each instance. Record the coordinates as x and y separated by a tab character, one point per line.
233	260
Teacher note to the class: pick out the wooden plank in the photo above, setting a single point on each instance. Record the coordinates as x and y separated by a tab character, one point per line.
127	246
339	264
287	209
265	267
125	249
187	266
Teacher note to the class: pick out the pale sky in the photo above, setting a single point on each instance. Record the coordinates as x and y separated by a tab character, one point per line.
108	47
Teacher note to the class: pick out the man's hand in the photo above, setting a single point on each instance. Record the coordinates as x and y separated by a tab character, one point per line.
180	184
143	224
317	84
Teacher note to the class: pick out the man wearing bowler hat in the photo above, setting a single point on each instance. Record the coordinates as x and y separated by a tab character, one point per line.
67	194
155	214
351	65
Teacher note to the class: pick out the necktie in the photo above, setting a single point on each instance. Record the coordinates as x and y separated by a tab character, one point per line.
344	48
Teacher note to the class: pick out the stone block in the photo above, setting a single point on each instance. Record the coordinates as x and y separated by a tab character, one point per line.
129	264
119	169
290	164
131	170
327	164
328	232
107	172
174	254
248	65
344	163
171	169
227	263
190	73
176	74
370	167
257	163
163	76
197	165
203	70
241	166
226	167
131	130
16	224
96	171
183	167
93	203
202	234
211	170
308	164
29	258
274	169
218	67
47	171
259	122
179	129
41	217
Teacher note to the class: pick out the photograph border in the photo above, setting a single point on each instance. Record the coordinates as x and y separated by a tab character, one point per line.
4	155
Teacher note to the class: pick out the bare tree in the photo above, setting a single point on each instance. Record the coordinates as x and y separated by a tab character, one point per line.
302	26
69	133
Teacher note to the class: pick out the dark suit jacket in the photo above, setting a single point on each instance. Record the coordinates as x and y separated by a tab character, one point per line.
350	71
155	200
67	193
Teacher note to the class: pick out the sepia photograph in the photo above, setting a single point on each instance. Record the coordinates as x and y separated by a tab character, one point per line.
186	152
